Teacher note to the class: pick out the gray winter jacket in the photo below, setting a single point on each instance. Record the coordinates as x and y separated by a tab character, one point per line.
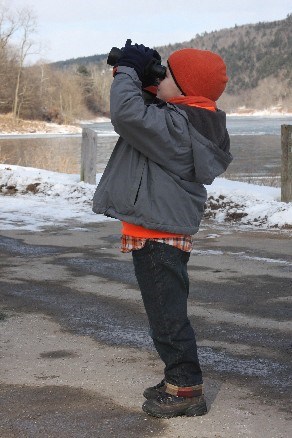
164	155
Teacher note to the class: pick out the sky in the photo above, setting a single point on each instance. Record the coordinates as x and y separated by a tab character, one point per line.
73	28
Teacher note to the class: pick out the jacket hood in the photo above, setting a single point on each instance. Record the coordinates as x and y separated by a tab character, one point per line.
210	142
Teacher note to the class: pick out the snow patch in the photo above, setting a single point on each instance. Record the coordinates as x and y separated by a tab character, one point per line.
247	204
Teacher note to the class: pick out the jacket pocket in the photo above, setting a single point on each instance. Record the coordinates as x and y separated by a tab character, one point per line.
134	192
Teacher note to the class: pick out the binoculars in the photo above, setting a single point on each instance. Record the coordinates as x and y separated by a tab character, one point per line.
154	68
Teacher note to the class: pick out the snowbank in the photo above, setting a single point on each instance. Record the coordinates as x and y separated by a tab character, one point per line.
34	198
247	204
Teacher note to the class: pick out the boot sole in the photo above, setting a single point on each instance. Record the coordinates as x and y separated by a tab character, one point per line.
192	411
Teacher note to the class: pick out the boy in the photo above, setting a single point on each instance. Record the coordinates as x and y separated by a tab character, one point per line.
153	183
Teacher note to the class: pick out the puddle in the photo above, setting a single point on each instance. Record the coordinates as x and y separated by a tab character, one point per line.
58	354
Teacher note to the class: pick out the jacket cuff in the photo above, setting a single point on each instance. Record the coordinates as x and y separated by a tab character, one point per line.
129	71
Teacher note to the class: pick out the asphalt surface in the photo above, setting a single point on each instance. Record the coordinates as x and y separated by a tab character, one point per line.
76	354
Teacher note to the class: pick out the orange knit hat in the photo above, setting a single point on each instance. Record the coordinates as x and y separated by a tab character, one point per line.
198	72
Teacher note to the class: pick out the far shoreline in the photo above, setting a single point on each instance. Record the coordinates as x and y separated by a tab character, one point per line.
260	114
31	128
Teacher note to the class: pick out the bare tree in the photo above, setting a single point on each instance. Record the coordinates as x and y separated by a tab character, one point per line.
8	26
26	28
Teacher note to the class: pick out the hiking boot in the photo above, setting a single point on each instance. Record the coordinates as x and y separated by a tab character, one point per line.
166	406
154	391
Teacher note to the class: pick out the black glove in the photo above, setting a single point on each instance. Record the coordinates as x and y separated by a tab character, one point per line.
137	57
149	79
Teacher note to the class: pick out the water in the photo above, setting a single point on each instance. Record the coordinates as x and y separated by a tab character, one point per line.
251	125
245	125
59	153
255	146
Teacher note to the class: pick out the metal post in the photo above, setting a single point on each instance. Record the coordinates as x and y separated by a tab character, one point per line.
286	171
88	156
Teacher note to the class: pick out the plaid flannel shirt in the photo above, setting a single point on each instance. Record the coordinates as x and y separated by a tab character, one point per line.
130	243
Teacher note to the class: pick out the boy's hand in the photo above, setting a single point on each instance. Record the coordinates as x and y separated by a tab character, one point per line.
137	57
149	79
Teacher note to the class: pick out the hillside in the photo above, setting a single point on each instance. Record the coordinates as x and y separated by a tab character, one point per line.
258	58
84	60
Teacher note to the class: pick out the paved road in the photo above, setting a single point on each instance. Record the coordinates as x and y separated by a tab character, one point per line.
75	348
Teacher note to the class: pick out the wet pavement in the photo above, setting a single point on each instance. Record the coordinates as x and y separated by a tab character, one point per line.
239	305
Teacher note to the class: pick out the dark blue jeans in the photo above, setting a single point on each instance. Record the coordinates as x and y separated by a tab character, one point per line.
161	271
